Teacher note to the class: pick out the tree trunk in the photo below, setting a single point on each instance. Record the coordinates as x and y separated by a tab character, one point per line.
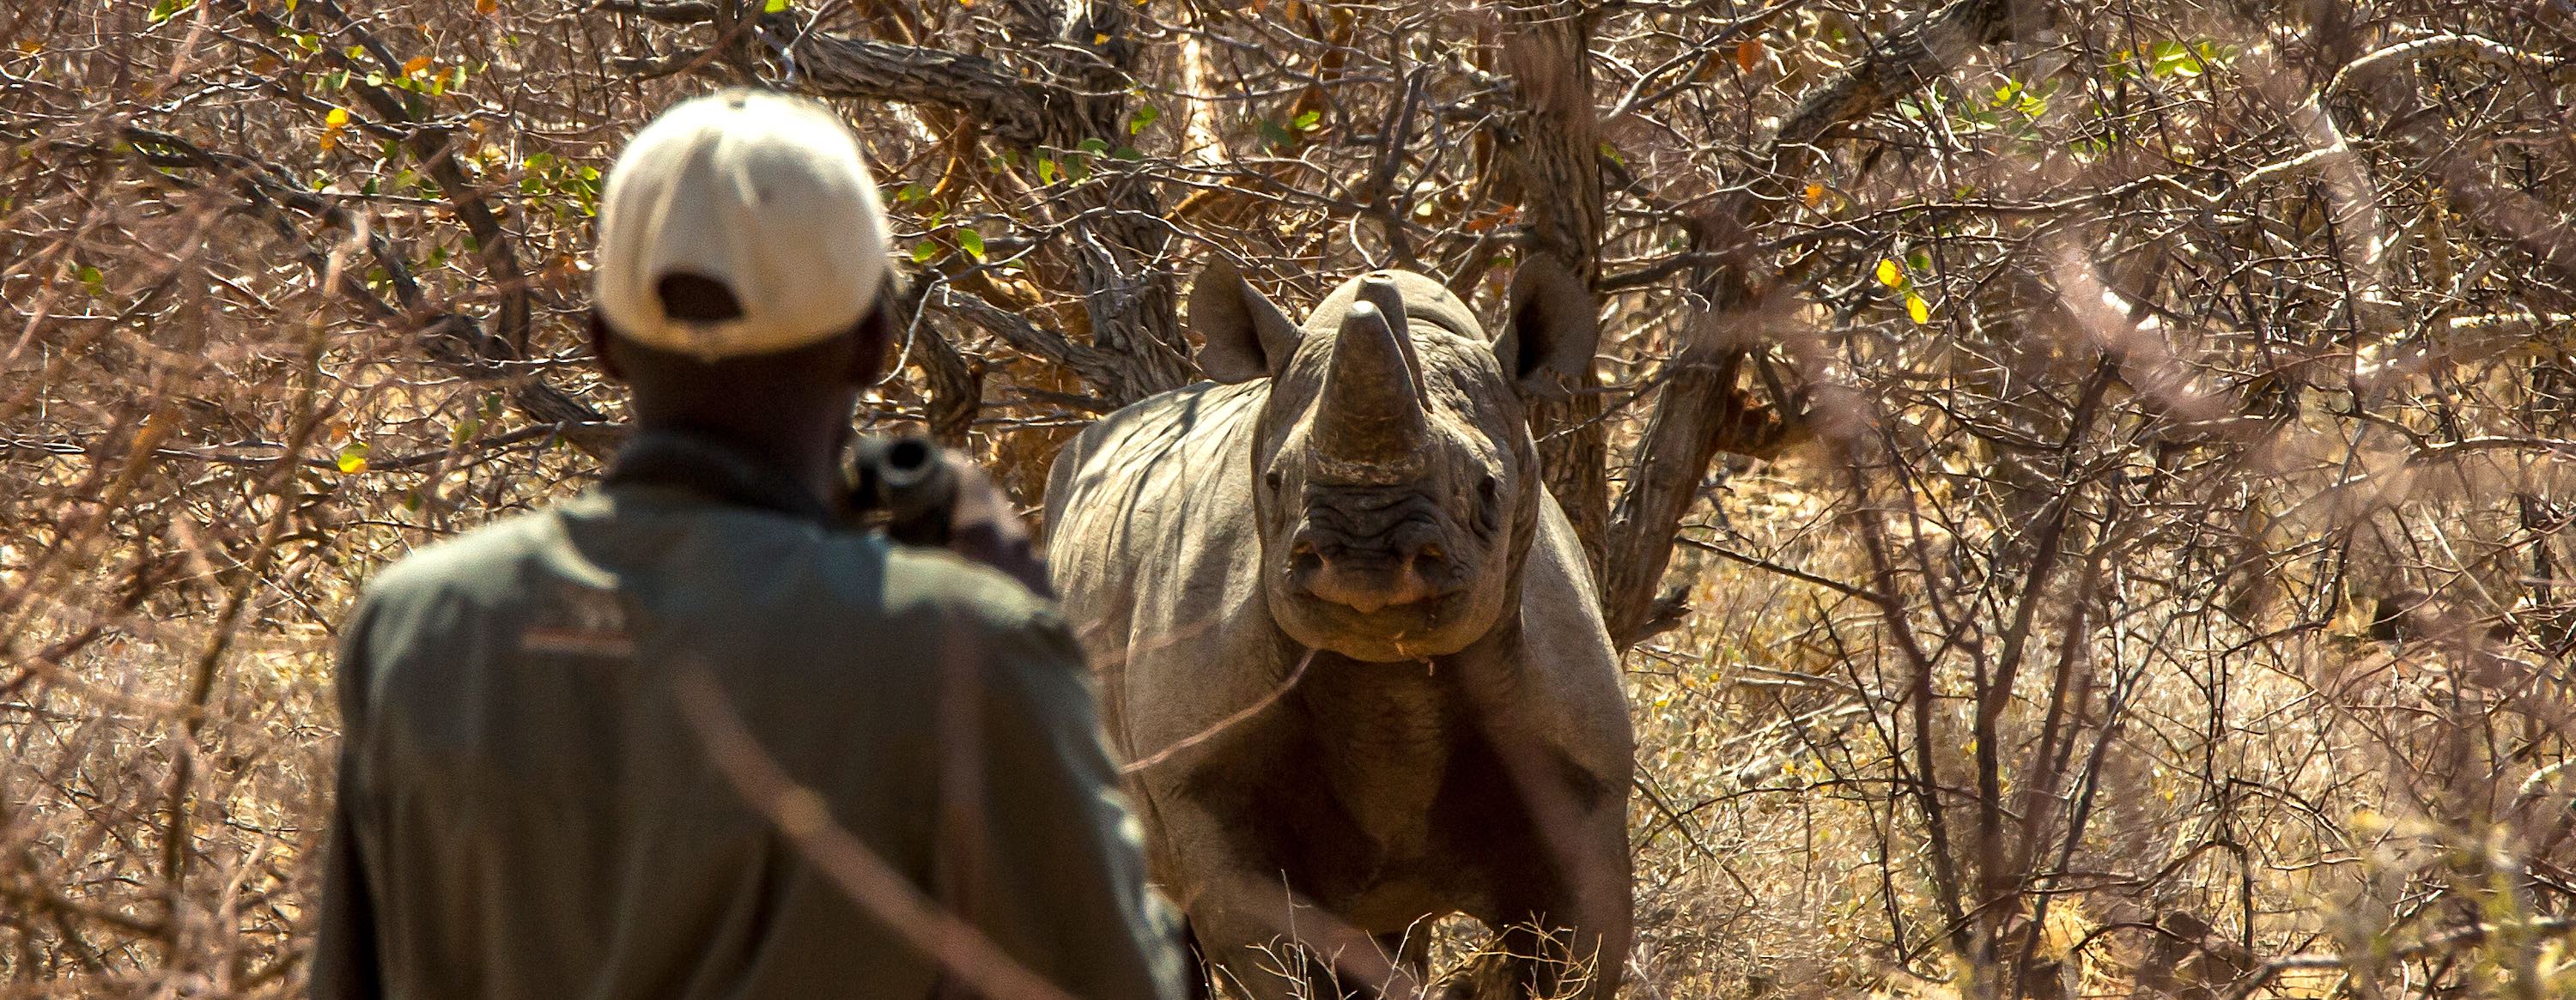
1553	156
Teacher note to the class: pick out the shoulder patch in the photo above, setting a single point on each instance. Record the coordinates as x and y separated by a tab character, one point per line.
575	620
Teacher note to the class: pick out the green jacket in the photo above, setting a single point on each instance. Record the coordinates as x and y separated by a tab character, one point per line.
525	811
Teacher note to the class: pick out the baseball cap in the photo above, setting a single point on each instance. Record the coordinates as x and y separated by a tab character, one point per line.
762	194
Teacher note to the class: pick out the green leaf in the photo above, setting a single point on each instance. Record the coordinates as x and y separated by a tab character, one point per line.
972	242
353	459
1128	153
774	7
1094	145
163	10
1145	115
1308	120
1273	134
1046	171
911	192
91	278
336	79
2173	59
923	251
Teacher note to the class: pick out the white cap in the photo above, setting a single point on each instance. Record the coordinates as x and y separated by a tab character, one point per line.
765	194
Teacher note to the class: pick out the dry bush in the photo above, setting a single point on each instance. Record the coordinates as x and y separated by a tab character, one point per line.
2115	447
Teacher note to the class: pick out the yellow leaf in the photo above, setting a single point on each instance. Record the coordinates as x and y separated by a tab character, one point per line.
1815	195
1748	54
1100	39
1917	308
332	125
1888	274
30	46
417	66
486	6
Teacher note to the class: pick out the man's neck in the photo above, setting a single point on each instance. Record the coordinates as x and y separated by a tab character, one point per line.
810	456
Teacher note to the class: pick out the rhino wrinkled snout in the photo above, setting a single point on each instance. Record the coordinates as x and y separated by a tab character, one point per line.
1369	580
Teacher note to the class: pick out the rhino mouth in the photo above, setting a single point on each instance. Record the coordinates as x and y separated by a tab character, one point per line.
1408	579
1368	608
1371	597
1384	622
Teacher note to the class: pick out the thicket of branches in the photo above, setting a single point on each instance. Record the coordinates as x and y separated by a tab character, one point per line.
2110	451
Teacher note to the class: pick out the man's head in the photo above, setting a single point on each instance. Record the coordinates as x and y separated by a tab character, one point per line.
741	282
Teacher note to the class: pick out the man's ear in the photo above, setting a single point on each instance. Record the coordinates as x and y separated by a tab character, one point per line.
1247	336
1550	329
878	332
599	352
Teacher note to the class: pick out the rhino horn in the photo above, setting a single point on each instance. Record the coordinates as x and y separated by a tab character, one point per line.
1379	289
1370	414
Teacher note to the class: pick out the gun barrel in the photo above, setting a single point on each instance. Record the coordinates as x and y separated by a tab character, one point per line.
907	481
908	463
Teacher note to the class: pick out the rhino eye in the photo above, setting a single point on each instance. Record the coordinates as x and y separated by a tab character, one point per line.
1273	480
1489	503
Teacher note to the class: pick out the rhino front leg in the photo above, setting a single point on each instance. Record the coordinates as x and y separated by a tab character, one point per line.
1259	942
1560	908
1258	937
1573	946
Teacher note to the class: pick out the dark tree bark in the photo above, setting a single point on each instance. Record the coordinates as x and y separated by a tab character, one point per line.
1552	154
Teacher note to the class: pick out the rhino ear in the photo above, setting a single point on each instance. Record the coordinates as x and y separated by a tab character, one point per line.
1247	336
1551	329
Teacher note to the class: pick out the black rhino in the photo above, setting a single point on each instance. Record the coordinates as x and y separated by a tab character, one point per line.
1350	644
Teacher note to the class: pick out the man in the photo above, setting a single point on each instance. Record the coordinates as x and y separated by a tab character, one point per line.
555	725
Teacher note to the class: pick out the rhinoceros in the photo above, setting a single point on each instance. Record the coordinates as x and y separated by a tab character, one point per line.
1350	645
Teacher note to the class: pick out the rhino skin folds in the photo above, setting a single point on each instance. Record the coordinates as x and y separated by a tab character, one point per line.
1349	644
